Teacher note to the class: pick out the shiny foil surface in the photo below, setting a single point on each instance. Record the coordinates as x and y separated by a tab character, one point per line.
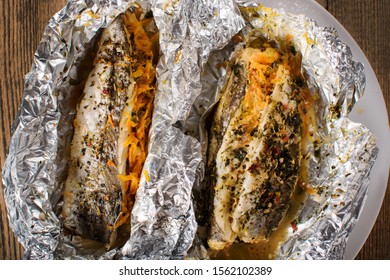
195	38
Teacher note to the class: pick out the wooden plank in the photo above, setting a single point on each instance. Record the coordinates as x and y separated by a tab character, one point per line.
22	22
368	22
323	3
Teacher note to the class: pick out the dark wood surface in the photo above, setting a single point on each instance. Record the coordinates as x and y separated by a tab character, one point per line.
22	23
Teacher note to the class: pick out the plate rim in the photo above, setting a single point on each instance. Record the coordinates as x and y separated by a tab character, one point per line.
360	232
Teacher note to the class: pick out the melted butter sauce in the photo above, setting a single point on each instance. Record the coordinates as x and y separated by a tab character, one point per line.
267	249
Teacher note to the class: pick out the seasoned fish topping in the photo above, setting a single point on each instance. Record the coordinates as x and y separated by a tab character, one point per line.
109	145
254	154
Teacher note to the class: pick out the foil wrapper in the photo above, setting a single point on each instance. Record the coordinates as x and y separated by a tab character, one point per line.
339	166
163	221
194	39
35	168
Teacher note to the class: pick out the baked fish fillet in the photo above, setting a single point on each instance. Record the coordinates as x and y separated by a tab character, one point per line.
254	150
110	137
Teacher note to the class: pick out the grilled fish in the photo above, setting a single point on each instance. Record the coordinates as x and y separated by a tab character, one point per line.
109	145
254	153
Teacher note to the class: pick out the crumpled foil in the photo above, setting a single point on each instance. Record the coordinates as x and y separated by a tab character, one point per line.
339	168
194	40
34	170
163	221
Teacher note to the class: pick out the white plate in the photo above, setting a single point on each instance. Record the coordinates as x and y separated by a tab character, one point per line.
370	111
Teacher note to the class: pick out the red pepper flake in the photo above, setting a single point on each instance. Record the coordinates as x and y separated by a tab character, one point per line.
254	168
105	91
285	139
110	163
285	106
275	150
237	38
294	226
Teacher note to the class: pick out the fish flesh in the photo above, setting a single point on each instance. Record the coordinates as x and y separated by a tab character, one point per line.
254	153
109	144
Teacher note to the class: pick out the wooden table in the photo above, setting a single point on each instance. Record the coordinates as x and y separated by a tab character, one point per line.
22	24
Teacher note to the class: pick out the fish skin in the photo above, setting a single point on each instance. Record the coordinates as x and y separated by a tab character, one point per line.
229	102
251	194
93	193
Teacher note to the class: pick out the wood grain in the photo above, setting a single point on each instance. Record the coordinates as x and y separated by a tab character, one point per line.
368	22
23	22
324	3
